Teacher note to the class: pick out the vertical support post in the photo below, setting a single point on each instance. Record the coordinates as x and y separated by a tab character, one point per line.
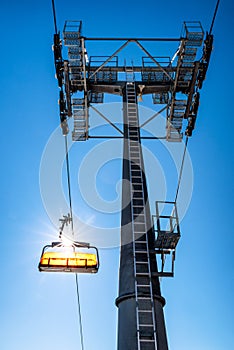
85	87
136	300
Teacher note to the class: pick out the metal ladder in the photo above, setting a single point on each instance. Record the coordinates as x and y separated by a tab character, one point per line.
71	36
145	313
129	72
80	115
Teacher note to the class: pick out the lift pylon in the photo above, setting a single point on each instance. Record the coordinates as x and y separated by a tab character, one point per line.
174	83
140	304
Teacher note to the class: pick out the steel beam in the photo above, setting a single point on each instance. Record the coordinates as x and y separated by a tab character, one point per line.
132	39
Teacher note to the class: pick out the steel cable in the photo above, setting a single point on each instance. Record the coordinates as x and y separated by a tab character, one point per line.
71	213
69	183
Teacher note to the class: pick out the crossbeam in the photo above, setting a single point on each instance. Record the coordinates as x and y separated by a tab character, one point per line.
131	39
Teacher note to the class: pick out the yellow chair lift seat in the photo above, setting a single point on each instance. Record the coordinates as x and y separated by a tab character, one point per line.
68	261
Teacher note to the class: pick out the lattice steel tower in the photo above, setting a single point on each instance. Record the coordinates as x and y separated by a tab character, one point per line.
174	83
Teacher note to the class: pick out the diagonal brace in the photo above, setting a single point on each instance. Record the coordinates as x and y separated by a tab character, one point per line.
154	60
106	119
110	58
153	116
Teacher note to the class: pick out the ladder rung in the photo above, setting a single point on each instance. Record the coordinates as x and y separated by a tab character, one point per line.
140	251
142	274
139	215
134	149
139	230
137	206
145	311
144	297
143	285
136	181
138	210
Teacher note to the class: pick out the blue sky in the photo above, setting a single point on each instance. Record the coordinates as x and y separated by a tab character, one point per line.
40	309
